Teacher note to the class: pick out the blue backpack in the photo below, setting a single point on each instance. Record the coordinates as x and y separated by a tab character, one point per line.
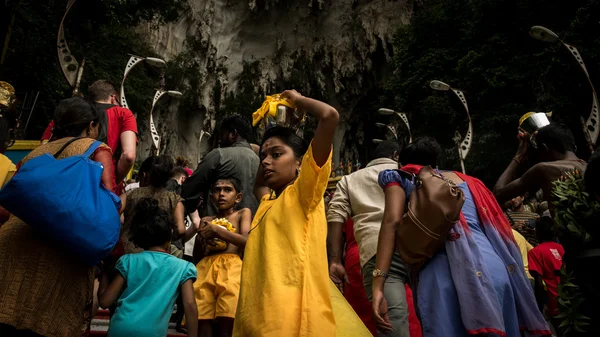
65	201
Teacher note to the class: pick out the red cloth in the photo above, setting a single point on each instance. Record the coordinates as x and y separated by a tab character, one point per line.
546	259
48	132
119	120
355	294
189	171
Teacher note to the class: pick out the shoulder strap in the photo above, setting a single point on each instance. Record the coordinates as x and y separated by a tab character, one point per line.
414	178
65	146
92	148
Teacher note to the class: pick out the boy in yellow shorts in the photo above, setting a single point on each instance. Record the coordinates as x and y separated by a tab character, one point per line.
220	243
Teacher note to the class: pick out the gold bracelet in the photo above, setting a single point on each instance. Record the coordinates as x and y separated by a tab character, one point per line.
517	159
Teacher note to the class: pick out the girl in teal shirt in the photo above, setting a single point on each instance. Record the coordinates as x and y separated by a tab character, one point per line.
148	283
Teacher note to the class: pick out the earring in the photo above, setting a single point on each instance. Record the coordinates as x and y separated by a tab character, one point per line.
297	171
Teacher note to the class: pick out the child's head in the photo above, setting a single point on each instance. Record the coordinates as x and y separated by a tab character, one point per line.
281	153
151	225
226	193
156	171
543	229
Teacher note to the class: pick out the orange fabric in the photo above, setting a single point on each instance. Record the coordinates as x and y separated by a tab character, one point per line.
217	287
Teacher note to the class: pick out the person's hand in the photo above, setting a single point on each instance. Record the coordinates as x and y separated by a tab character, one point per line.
292	96
208	231
337	274
380	312
524	144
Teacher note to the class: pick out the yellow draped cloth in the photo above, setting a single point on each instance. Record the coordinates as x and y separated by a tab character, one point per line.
269	108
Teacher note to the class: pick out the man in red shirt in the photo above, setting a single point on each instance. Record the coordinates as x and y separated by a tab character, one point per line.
118	128
545	261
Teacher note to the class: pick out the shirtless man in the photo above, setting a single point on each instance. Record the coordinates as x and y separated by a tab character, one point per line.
555	151
219	271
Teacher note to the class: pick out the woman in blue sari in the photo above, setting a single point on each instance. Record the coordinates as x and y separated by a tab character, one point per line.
476	285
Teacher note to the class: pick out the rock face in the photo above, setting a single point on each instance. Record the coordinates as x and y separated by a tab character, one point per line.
333	50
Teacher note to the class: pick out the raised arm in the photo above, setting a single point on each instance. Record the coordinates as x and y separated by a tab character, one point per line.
327	117
530	181
507	186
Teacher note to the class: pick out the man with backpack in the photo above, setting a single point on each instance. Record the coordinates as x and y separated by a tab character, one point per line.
118	128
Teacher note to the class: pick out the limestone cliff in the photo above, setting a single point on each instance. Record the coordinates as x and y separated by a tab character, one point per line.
333	49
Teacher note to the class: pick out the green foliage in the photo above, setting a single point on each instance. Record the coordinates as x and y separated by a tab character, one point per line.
569	304
575	217
100	31
483	48
575	210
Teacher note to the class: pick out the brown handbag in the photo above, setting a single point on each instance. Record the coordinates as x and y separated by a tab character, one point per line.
433	208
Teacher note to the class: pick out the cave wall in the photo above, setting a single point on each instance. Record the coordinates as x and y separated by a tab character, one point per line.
331	50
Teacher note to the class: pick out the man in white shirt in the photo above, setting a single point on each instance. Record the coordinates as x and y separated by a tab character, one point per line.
360	197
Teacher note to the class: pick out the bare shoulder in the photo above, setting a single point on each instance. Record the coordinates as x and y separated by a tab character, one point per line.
244	211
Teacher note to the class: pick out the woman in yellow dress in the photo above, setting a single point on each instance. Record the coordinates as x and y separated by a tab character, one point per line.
285	288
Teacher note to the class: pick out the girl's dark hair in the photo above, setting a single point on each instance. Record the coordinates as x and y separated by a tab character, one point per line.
289	137
72	116
8	124
158	168
151	226
422	151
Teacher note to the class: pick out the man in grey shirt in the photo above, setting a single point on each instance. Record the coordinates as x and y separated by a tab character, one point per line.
233	159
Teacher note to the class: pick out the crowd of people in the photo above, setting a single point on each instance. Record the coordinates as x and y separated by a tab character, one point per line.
247	245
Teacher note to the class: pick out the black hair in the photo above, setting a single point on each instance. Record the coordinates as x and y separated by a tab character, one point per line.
158	168
179	171
151	226
422	151
237	185
101	90
386	149
181	161
592	174
557	137
72	116
543	229
289	137
8	124
237	123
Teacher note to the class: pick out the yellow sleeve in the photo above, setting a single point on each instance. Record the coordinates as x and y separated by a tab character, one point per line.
7	170
312	181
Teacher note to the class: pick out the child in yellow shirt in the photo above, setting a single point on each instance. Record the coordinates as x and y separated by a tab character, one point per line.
286	290
219	244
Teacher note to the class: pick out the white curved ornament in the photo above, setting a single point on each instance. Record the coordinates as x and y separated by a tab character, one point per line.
155	136
67	61
591	124
133	61
405	120
465	145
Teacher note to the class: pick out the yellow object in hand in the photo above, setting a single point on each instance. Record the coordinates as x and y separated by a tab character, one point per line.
220	244
269	108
